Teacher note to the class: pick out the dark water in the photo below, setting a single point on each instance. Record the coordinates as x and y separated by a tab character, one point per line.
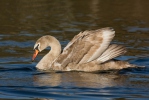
22	22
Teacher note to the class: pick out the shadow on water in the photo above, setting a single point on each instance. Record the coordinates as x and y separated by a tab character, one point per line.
23	22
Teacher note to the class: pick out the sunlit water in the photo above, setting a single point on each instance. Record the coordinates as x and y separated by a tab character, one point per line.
24	21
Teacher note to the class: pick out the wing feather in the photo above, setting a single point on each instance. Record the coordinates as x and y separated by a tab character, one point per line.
85	47
112	51
107	37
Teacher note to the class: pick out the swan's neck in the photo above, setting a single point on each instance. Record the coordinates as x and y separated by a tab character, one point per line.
46	62
55	47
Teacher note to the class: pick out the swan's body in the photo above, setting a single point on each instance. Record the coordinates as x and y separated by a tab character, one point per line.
88	51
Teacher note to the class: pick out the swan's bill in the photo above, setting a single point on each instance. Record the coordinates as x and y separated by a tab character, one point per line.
35	54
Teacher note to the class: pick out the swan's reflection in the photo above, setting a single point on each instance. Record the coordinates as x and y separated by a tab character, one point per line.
47	79
80	79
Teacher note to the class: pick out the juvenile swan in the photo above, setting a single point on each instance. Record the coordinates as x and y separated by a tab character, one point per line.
88	51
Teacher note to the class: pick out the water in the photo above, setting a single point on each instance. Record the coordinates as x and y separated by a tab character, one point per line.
24	21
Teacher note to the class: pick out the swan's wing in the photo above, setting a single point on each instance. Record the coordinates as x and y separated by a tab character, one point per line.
111	52
86	46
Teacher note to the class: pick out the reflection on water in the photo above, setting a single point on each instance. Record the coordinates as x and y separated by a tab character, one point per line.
90	80
24	21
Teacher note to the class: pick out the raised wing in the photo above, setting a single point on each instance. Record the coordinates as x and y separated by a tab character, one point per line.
85	47
111	52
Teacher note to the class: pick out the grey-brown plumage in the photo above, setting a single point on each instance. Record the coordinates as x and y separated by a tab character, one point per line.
88	51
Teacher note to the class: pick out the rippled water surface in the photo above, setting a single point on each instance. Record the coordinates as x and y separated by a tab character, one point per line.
22	22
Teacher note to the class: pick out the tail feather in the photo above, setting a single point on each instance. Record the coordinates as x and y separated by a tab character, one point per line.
112	51
134	66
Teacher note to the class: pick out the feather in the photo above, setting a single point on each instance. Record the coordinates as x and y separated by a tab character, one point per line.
113	51
86	46
107	38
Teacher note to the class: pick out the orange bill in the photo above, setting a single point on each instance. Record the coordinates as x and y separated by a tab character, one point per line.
35	54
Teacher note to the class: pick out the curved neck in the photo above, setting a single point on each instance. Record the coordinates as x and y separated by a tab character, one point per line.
55	47
46	62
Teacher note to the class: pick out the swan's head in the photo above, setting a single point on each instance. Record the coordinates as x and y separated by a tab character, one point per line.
41	44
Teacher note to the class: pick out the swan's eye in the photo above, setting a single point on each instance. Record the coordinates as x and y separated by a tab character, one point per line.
37	47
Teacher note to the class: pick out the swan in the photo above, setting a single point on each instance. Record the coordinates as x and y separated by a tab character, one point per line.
88	51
